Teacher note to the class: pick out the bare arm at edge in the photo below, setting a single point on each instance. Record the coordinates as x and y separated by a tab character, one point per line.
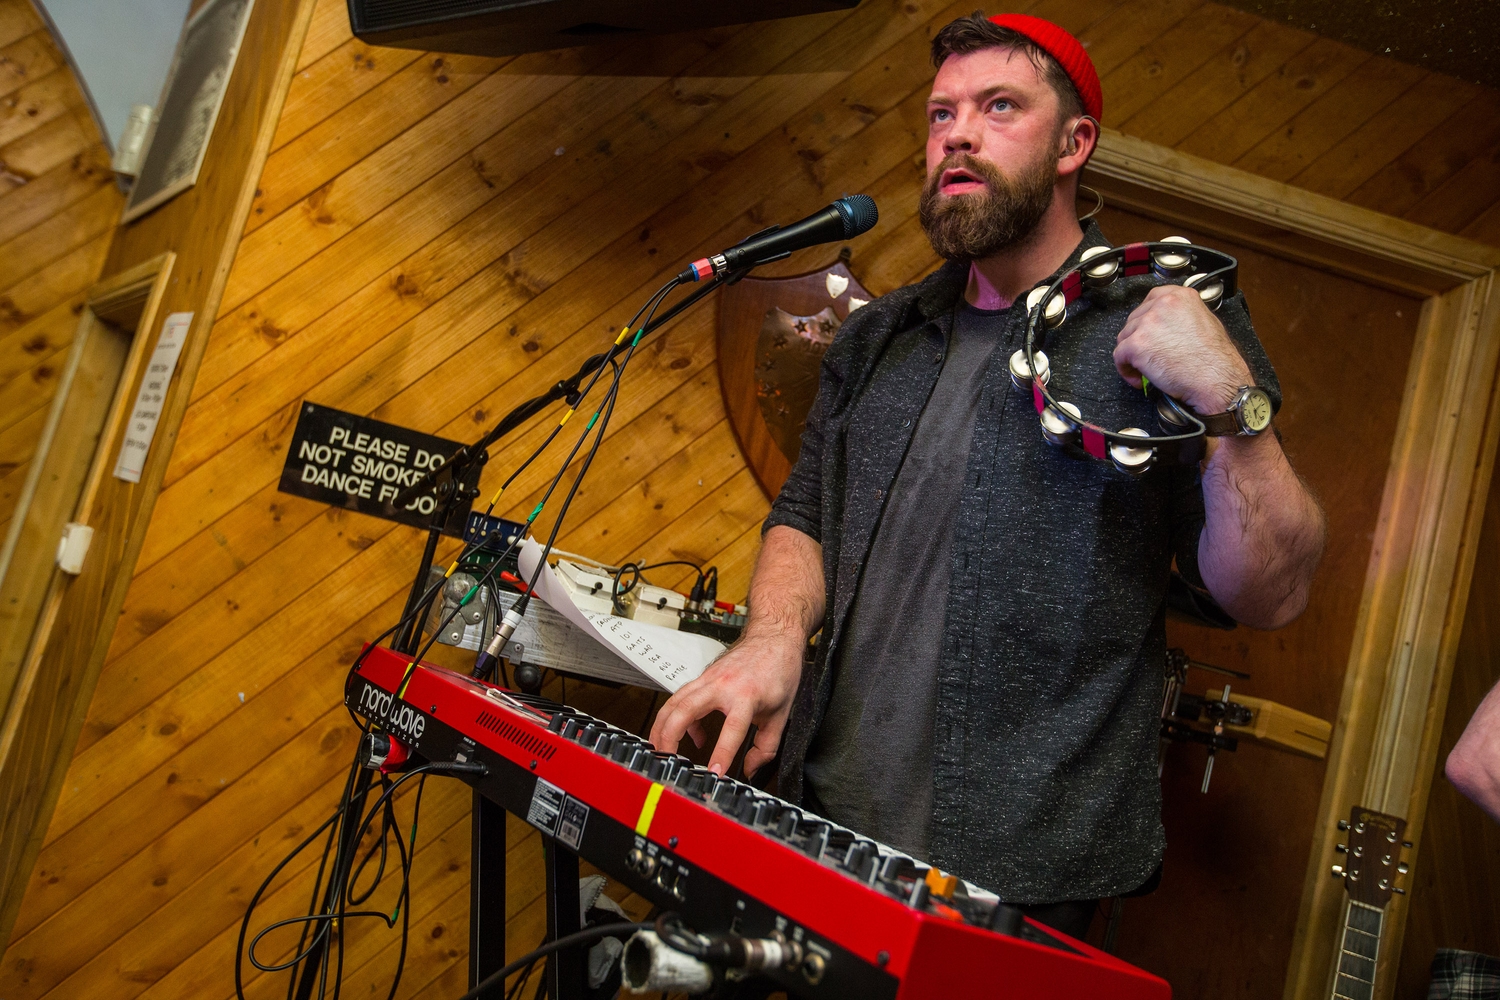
1474	764
754	682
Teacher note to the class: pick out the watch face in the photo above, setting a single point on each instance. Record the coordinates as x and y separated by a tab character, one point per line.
1255	411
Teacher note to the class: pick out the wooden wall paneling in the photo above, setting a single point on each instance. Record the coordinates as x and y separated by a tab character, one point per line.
67	442
54	679
239	135
1464	196
378	272
587	215
1203	95
27	58
1421	169
1140	80
62	186
328	30
1323	125
38	102
1263	108
327	84
43	289
1453	892
1380	139
17	20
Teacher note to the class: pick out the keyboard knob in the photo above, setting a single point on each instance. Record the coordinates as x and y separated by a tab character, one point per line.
788	823
588	735
570	729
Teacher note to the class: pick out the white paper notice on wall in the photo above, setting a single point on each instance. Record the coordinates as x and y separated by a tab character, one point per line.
148	402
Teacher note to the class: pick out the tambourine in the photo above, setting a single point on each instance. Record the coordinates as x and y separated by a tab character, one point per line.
1130	449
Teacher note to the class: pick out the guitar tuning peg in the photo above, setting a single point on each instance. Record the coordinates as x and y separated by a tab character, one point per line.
1403	868
1341	848
1338	871
1406	844
1343	824
1400	891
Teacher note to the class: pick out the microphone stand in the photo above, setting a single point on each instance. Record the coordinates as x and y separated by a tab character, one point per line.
457	483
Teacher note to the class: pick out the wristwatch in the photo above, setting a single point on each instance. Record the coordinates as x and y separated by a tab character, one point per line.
1249	414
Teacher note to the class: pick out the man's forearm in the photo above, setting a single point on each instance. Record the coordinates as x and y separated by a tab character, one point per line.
1263	532
786	593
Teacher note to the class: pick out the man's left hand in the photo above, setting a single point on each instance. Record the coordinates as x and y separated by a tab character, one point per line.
1175	341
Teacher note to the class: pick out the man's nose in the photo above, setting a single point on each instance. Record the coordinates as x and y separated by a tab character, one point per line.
964	135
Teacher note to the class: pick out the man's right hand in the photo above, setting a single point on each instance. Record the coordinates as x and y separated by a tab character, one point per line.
752	684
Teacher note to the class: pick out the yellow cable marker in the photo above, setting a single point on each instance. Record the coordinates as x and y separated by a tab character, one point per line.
566	417
648	809
621	338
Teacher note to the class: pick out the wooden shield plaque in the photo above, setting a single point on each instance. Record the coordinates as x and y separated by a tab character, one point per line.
772	335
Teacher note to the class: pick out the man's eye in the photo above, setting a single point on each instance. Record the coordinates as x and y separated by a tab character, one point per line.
1001	105
940	115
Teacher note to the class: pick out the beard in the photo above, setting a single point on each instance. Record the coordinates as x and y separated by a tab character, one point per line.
971	227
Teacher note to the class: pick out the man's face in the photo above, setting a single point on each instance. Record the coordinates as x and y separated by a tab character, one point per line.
992	149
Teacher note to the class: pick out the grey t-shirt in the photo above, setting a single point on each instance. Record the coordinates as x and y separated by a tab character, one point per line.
870	765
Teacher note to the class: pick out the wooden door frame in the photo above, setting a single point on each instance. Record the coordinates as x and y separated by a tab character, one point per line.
1417	582
52	710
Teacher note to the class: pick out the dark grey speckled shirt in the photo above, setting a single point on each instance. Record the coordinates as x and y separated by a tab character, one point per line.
1043	763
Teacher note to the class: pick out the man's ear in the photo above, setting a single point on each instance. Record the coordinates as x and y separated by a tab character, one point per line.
1082	137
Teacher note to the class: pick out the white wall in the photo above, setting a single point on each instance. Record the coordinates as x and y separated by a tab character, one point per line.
122	49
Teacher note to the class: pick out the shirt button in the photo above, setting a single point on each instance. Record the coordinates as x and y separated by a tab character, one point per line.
906	422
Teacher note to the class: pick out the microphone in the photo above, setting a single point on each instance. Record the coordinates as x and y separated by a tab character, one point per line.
844	219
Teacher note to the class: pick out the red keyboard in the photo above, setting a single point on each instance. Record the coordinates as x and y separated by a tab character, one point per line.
862	919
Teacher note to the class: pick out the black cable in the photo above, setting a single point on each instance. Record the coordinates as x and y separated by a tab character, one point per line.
585	936
344	829
607	411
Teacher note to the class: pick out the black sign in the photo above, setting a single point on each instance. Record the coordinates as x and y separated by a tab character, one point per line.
350	461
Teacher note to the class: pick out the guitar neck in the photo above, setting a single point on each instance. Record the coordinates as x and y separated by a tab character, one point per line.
1359	949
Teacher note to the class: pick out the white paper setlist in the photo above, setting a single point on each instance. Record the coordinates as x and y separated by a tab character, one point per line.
148	402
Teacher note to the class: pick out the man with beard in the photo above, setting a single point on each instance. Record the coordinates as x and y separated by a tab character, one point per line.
990	612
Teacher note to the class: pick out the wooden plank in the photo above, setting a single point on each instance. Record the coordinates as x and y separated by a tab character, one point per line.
1485	228
295	170
1141	79
306	750
17	20
1359	98
1204	93
319	355
37	103
504	160
18	441
1123	32
438	156
1464	197
46	334
1428	164
710	526
64	185
332	82
165	588
27	59
90	219
1386	136
285	579
154	887
59	280
328	30
1268	106
33	154
181	703
689	476
31	389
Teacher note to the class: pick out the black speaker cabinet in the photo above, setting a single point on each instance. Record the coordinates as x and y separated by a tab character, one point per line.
509	27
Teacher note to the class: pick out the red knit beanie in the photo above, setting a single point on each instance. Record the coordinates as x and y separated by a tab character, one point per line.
1069	53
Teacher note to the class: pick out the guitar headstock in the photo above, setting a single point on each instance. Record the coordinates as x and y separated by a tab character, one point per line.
1374	864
